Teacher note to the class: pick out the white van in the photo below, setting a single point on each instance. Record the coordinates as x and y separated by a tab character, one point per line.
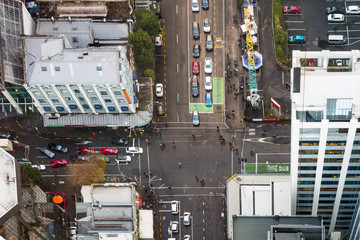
336	39
174	207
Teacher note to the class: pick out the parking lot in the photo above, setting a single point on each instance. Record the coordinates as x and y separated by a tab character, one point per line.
312	23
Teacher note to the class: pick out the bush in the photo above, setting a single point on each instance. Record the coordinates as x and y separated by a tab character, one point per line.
32	173
143	48
147	21
280	53
150	73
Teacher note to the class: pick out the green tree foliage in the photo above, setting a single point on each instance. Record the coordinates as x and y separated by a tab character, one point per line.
143	48
32	173
147	21
150	73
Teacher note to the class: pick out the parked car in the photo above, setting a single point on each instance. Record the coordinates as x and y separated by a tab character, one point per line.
160	109
195	67
47	152
205	4
207	25
108	151
297	39
175	226
159	90
354	9
57	147
195	86
84	150
196	30
187	220
58	163
195	6
86	158
208	99
122	159
196	51
292	9
134	150
158	40
174	207
332	10
196	120
187	237
80	157
208	65
39	167
208	84
209	44
119	141
5	135
336	17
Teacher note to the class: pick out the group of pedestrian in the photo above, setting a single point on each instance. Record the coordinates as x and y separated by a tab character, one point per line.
243	159
202	182
221	139
162	145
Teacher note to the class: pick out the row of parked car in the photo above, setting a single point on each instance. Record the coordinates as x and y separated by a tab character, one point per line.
174	226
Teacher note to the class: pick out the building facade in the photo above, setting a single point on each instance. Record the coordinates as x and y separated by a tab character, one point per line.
325	136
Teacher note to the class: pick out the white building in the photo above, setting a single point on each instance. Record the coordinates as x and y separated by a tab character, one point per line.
325	135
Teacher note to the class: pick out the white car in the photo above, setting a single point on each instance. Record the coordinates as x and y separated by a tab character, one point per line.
195	6
208	65
187	220
158	41
353	9
174	207
208	84
122	159
336	17
134	150
175	226
207	25
39	167
159	90
187	237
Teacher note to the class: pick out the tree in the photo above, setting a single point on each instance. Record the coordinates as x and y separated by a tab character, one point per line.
33	173
88	172
143	48
150	73
147	21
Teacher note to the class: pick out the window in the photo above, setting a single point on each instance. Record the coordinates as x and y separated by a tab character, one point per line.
125	109
85	106
77	91
47	109
93	99
99	68
63	91
108	100
81	99
98	106
90	91
50	93
72	106
55	100
117	92
111	109
42	100
103	93
44	69
60	109
121	101
68	99
57	68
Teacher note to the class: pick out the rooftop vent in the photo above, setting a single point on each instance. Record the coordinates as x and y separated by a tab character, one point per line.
85	53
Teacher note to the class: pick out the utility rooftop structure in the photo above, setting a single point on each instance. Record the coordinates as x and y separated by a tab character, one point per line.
325	135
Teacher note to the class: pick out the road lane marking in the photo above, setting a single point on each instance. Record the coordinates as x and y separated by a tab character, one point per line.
294	21
177	39
177	9
177	68
295	29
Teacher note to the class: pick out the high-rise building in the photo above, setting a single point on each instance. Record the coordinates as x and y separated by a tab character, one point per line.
325	135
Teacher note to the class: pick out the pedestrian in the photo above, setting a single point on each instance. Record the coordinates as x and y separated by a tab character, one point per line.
161	145
179	164
217	129
166	124
173	144
193	136
234	86
196	177
169	186
237	151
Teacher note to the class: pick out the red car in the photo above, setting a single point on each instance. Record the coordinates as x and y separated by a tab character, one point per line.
292	9
195	67
58	163
108	151
84	150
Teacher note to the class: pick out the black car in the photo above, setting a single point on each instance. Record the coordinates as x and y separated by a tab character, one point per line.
57	147
196	51
119	141
334	10
205	4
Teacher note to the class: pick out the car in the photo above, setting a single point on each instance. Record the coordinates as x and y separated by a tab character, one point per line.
39	167
195	86
298	39
5	135
292	9
205	4
195	67
160	109
175	226
87	158
47	152
79	157
122	159
196	120
187	220
187	237
57	147
332	10
207	25
119	141
196	51
108	151
158	40
209	45
196	30
84	150
208	84
208	65
354	9
134	150
208	99
174	207
58	163
195	6
159	90
336	17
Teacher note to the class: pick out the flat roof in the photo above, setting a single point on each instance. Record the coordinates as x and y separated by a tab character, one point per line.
146	224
